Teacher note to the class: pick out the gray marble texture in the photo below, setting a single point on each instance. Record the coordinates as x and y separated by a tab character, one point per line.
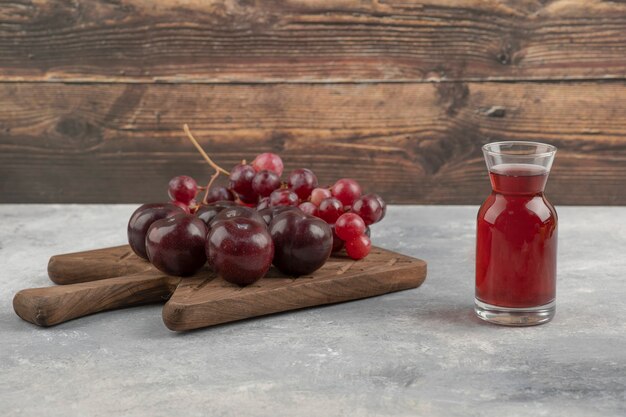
417	352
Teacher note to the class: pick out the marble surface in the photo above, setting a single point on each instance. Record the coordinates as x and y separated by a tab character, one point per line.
417	352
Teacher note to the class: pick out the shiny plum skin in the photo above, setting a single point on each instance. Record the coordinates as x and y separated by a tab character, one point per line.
141	220
238	211
176	245
302	243
240	250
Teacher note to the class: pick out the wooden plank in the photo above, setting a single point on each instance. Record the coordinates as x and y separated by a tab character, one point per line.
304	40
93	265
209	300
413	143
53	305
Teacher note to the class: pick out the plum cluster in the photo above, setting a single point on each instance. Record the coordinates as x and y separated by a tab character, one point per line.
257	221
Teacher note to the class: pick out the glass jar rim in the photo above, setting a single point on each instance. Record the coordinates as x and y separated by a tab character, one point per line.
551	149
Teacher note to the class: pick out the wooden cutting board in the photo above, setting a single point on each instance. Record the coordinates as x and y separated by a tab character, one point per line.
111	278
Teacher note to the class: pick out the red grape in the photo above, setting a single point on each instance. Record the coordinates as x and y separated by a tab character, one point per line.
346	190
219	193
240	250
264	182
175	245
359	247
349	226
382	204
241	177
268	161
319	194
330	210
369	208
309	208
283	198
183	189
302	181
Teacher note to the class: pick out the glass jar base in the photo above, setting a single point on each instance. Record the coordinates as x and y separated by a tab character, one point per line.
509	316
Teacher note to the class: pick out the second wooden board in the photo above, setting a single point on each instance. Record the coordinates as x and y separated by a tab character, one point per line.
208	300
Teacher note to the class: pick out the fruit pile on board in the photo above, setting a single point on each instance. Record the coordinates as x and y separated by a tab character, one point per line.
259	220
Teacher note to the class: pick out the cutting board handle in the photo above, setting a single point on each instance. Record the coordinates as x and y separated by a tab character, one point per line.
72	268
53	305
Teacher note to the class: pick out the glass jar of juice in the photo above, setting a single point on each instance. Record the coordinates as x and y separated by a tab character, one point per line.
516	244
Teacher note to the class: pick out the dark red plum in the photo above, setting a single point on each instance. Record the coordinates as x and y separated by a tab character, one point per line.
302	243
176	245
240	250
141	220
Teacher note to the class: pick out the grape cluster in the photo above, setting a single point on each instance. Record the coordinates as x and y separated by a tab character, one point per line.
257	221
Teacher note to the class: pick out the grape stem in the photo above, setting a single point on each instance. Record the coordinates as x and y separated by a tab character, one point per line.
208	187
204	154
218	169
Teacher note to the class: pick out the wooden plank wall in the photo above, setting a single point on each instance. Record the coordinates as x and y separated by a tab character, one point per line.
398	94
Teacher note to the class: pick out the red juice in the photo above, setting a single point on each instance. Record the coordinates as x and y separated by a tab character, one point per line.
516	239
